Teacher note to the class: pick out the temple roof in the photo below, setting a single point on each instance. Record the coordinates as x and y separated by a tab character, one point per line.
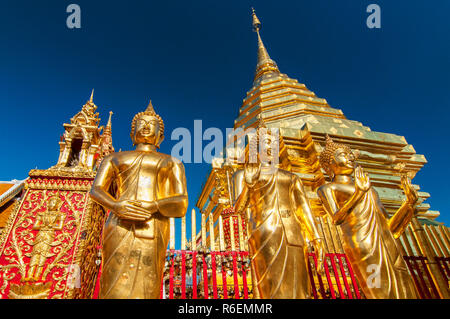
87	115
8	191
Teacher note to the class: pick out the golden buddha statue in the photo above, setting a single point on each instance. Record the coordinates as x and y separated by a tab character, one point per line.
278	217
47	222
368	233
142	189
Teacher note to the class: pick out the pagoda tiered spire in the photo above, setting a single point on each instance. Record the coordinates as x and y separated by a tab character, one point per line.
265	64
276	97
107	129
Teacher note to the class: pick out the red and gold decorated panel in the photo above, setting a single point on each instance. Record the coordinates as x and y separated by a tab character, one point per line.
51	241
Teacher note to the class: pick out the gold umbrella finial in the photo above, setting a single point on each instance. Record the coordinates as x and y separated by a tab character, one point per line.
265	64
256	22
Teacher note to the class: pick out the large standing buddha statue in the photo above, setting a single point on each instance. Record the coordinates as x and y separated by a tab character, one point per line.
142	189
368	233
279	218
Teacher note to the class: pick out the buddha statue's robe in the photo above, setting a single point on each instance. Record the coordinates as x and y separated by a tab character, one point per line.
370	247
276	244
134	252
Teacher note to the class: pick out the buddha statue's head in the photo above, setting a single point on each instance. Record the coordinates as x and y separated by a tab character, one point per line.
337	159
53	203
147	127
265	143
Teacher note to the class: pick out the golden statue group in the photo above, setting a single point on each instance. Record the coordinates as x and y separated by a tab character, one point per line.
150	187
309	197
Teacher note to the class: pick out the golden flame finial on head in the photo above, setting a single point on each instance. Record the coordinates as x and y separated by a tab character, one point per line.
328	139
327	155
150	107
260	122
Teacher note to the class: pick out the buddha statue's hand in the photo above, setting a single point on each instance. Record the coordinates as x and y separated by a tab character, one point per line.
132	210
410	192
251	173
320	253
362	180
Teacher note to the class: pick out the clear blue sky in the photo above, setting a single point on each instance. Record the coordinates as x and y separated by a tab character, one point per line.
196	60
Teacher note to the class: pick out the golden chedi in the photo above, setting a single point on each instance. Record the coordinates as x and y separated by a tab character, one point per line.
142	189
278	213
368	234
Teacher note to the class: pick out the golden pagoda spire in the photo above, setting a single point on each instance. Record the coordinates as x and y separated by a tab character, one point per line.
91	99
106	146
108	125
265	64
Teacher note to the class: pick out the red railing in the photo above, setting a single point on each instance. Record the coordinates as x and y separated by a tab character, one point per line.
205	275
194	274
421	277
340	280
444	267
337	282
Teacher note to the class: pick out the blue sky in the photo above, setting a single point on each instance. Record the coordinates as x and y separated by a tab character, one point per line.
196	60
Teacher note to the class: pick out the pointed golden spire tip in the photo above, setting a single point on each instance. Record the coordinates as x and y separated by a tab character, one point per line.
91	99
265	64
109	119
256	22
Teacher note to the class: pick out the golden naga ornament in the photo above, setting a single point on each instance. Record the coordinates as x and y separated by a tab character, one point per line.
368	233
142	189
277	210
